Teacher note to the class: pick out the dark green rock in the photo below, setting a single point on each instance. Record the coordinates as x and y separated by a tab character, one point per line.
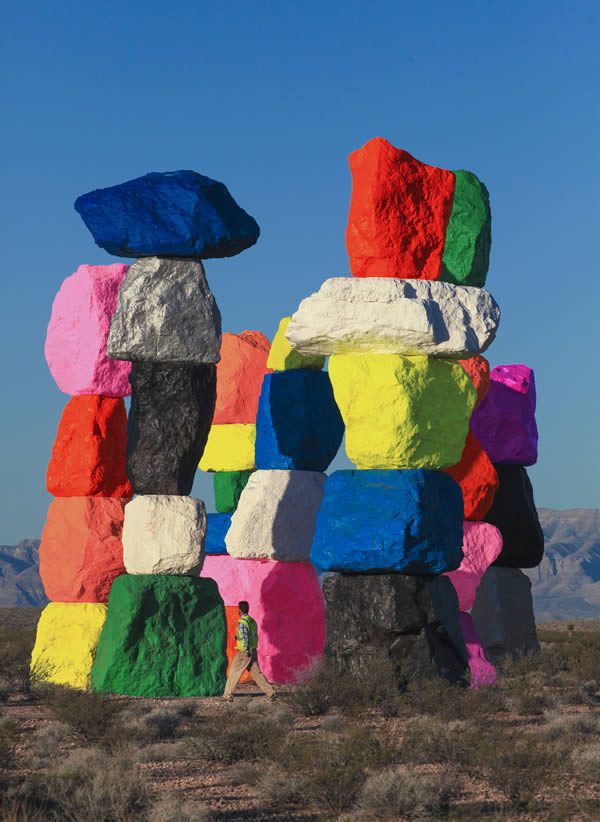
469	233
228	487
164	636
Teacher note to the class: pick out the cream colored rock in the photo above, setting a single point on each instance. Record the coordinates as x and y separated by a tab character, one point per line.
164	534
276	516
384	315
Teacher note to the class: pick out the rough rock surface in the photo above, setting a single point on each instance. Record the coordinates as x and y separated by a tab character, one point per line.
477	478
481	669
410	522
286	601
171	214
164	636
514	513
217	526
388	401
505	423
78	330
298	423
239	376
168	424
468	239
392	316
282	356
166	313
164	534
482	544
88	455
478	368
81	551
503	614
275	517
232	615
228	486
412	620
399	211
229	448
66	642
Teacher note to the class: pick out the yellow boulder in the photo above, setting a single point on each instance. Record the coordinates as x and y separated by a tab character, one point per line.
282	356
66	641
230	448
402	412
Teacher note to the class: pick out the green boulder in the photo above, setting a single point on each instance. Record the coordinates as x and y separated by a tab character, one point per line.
228	487
164	636
469	233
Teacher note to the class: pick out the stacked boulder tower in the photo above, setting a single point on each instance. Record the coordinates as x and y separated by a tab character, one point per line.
404	534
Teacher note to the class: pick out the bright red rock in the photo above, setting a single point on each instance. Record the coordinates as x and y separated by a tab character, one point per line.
477	478
399	211
88	456
478	368
81	551
240	374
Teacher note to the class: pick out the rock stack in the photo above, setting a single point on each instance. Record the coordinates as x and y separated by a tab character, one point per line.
165	629
298	431
404	533
81	551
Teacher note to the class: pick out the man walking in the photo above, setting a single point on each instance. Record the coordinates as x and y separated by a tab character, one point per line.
246	659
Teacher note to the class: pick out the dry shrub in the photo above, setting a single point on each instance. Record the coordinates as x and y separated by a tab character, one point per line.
158	752
15	654
586	762
237	735
9	736
45	742
561	726
153	724
91	715
173	809
333	723
392	794
432	740
280	789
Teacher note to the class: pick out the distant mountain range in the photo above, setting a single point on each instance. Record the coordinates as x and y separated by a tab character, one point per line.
565	586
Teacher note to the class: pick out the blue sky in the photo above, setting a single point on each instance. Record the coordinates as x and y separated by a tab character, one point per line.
271	97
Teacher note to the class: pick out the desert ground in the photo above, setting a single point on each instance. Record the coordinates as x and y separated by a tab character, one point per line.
335	748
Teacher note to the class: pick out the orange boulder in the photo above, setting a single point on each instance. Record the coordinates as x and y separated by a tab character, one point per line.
399	211
81	551
477	478
232	614
88	456
240	374
478	368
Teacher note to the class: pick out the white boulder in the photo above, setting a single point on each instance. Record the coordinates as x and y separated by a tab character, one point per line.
164	534
276	516
384	315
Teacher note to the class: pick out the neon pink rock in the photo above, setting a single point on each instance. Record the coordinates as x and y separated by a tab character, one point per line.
504	422
482	671
286	601
78	329
482	544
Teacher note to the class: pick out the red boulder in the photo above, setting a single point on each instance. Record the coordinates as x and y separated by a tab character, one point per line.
240	374
477	478
478	368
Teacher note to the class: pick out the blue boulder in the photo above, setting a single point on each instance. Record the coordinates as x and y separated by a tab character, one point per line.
410	522
170	214
217	526
298	425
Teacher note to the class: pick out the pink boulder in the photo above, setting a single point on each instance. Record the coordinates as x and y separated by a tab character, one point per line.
482	544
504	422
286	601
78	329
482	671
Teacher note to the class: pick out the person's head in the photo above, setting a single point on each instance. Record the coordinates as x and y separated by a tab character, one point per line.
243	607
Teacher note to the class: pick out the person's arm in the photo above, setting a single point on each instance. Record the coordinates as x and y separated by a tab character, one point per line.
245	636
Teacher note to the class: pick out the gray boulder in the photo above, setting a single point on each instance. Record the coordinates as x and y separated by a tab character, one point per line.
166	313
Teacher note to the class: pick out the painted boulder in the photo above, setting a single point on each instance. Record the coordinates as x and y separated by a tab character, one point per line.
240	373
81	551
417	527
169	214
505	423
482	544
217	526
477	478
229	448
298	423
78	330
388	401
478	368
275	517
409	219
283	357
481	669
88	455
228	486
141	654
286	601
